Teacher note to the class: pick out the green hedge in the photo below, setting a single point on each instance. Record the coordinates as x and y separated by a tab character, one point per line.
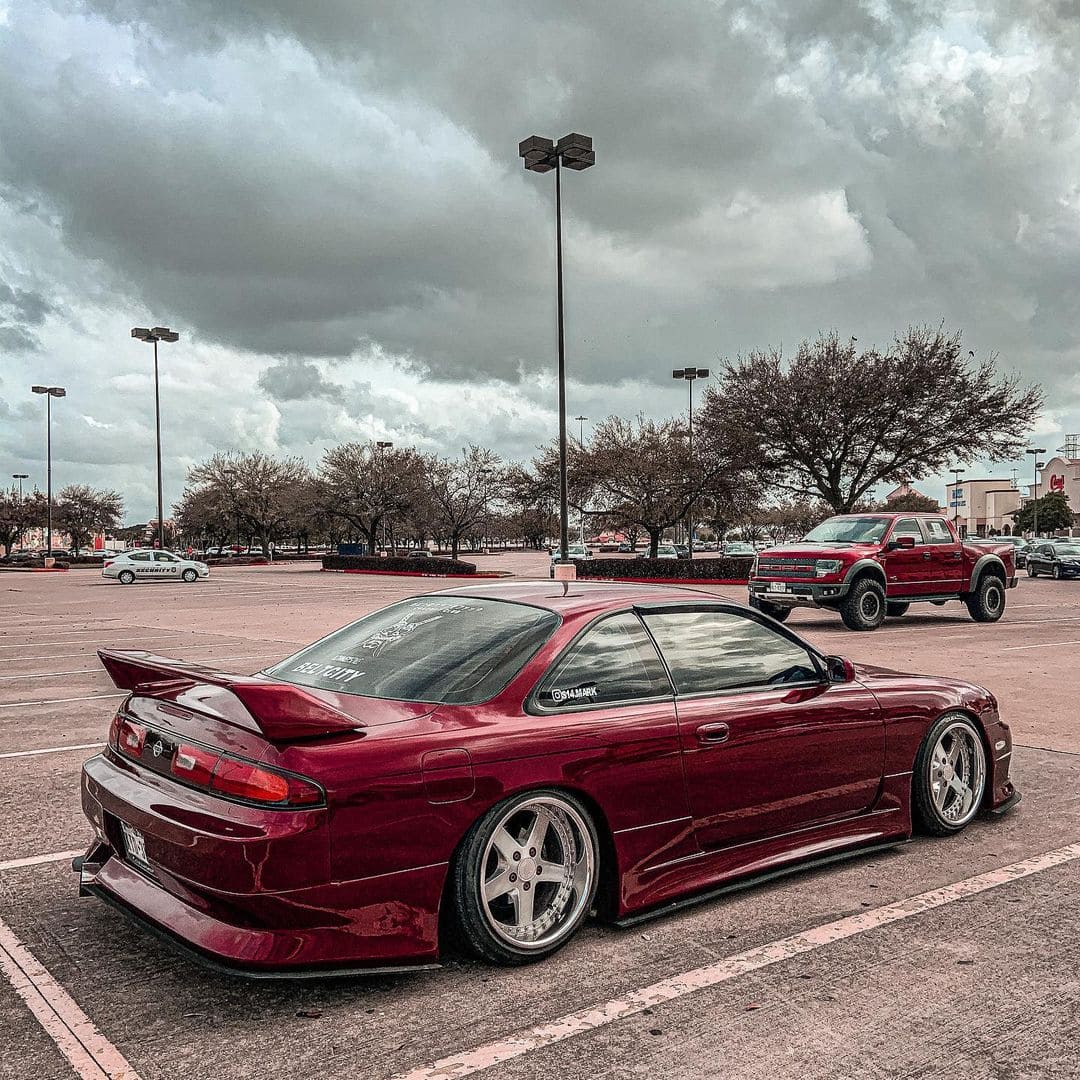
724	568
398	564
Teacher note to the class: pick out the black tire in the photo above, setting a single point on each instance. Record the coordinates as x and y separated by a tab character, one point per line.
125	577
928	815
478	859
1032	572
190	575
987	602
779	612
1055	572
895	608
864	606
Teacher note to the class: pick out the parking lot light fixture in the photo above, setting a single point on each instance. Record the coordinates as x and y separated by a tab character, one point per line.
50	392
690	375
152	336
541	155
1035	451
20	476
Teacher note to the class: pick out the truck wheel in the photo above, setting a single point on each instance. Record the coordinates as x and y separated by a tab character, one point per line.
775	611
987	602
864	606
894	609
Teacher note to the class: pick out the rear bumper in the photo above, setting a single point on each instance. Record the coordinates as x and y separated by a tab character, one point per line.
240	922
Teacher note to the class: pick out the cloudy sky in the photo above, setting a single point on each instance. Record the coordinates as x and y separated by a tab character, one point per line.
325	199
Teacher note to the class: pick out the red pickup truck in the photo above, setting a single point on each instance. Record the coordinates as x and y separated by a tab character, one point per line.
867	566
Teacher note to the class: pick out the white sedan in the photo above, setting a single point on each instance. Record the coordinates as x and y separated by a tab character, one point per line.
140	565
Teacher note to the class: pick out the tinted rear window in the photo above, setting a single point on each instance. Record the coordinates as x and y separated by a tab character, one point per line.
439	649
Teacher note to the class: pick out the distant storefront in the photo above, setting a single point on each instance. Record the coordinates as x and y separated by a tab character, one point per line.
983	507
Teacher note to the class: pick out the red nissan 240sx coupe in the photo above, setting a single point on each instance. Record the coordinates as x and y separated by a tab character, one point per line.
496	762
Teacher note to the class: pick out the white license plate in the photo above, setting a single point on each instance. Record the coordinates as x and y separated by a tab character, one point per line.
134	844
778	586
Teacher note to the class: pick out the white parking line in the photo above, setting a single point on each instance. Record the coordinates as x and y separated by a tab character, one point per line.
49	750
88	1052
60	700
732	967
40	860
1040	645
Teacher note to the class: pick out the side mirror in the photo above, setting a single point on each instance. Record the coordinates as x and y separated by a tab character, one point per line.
841	670
902	542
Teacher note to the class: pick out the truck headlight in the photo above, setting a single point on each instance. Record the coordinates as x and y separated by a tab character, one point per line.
824	567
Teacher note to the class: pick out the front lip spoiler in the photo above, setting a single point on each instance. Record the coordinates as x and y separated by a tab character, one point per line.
87	888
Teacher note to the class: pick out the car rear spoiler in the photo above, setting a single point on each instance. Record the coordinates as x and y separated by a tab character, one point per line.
282	712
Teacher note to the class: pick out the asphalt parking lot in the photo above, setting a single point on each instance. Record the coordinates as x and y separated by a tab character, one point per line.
957	957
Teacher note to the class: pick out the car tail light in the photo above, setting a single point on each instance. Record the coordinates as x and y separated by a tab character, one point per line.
108	562
194	764
254	783
130	737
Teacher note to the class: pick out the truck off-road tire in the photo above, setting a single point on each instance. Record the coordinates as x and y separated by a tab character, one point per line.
895	608
987	602
779	612
864	606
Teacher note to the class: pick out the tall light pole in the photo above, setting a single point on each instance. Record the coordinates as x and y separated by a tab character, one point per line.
20	476
581	445
380	446
50	392
957	473
1035	451
690	374
541	155
153	336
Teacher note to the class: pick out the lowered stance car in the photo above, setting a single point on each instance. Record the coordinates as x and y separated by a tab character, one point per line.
495	762
868	566
1059	559
149	565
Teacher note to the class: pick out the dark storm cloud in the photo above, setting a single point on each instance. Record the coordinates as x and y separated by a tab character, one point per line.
294	379
337	181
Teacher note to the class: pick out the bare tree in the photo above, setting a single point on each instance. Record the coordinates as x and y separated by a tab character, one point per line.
18	513
833	422
460	490
82	511
366	486
257	489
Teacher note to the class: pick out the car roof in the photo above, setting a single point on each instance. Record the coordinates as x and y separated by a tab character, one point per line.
576	597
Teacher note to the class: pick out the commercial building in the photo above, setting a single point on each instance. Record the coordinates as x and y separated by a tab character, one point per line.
1061	476
983	507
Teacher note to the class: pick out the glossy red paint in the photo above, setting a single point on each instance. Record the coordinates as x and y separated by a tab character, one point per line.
359	882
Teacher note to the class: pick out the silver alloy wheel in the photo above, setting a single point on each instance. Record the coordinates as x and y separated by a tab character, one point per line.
870	605
537	873
958	773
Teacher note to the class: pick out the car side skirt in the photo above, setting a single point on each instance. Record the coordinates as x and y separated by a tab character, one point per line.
752	880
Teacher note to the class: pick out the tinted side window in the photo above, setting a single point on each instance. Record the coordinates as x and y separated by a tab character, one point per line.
162	556
709	651
612	661
908	527
937	532
140	556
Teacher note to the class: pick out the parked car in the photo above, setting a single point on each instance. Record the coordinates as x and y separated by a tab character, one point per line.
148	565
534	734
20	558
1057	559
739	547
626	548
867	566
663	551
681	551
1020	546
577	552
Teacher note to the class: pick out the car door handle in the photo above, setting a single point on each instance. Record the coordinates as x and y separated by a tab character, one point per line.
927	555
711	734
